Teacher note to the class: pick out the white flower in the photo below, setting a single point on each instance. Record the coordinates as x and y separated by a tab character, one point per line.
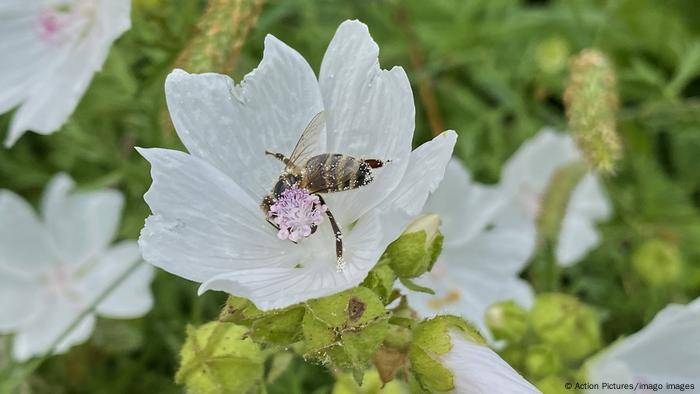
479	370
480	260
207	224
667	350
54	267
526	177
50	51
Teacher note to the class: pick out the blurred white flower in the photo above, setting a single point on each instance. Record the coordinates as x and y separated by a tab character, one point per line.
50	51
477	369
207	225
526	177
480	260
54	267
667	350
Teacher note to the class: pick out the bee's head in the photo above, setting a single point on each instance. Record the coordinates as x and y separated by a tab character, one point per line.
285	181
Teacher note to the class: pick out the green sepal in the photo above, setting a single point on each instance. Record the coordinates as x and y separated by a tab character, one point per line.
276	327
381	280
240	311
431	339
345	329
279	327
411	285
219	358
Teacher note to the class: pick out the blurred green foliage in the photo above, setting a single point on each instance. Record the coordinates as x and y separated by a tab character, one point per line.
498	68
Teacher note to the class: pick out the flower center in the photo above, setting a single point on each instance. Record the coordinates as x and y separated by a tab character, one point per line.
59	24
437	303
297	214
60	283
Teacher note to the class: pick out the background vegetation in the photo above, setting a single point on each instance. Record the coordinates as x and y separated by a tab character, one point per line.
497	69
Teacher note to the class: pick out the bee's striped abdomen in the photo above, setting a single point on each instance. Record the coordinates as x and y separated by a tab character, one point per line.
333	172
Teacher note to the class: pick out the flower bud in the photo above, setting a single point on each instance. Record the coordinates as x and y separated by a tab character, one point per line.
551	54
415	252
658	263
591	106
448	354
507	321
568	325
541	360
219	358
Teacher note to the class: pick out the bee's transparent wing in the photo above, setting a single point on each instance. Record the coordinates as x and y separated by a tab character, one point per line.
309	143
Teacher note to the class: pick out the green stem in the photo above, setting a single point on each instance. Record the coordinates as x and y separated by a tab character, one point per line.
554	205
550	269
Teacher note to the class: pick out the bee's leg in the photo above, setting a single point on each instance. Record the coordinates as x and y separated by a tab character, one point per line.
375	163
281	158
338	237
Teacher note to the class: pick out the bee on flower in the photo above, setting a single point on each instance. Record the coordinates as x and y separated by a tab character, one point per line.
329	208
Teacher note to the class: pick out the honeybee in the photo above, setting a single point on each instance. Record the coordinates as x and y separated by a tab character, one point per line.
319	174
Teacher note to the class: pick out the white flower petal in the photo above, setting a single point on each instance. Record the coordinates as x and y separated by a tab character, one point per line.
24	244
589	199
30	57
132	298
35	339
666	350
478	369
81	224
481	257
114	18
499	251
19	301
534	163
55	95
468	296
577	236
464	206
203	223
369	111
526	177
317	275
54	98
470	277
423	175
232	126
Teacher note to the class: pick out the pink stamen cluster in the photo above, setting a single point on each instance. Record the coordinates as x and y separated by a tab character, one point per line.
296	212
